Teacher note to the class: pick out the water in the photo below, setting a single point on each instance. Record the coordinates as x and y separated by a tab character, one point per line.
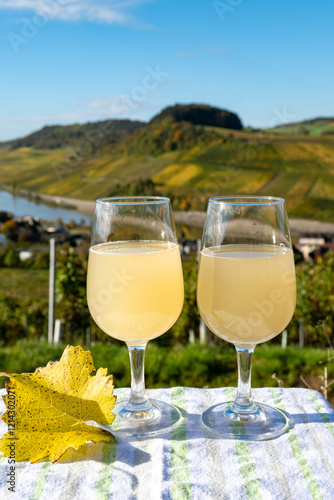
20	207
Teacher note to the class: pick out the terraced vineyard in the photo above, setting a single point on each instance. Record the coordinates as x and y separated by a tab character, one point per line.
299	168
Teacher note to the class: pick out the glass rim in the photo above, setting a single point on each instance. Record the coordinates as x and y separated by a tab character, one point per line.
133	200
247	200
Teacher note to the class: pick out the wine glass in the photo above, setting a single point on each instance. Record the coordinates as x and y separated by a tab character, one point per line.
135	294
246	295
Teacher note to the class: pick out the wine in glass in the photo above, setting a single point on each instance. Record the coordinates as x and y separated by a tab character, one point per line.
135	294
246	295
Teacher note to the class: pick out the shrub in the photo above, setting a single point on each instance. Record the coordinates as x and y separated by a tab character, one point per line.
42	260
11	259
10	229
189	318
315	302
71	303
11	320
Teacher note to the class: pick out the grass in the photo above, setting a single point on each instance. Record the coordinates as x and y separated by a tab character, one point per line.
186	365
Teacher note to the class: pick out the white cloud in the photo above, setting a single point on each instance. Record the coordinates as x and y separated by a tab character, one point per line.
215	50
114	107
119	107
112	11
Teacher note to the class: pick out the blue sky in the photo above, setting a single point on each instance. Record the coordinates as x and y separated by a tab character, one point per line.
68	61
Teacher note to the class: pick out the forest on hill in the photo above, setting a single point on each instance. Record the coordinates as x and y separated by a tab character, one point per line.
107	132
187	152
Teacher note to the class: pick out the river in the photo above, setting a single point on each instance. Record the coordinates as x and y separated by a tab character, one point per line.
20	206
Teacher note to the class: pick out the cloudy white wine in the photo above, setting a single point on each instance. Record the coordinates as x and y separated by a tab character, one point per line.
246	294
135	288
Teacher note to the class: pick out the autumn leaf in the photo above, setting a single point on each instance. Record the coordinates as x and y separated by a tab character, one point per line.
47	410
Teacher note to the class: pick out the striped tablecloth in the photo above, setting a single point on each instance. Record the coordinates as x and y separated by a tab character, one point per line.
191	462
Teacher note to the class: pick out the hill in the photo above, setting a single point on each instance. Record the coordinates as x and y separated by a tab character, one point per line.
99	134
108	134
186	161
200	114
314	127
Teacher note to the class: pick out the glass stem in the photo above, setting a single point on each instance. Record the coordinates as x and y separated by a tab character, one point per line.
137	358
243	402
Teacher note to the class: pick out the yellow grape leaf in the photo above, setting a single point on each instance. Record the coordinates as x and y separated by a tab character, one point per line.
47	410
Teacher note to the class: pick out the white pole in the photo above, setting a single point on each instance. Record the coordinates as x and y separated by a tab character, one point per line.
58	331
284	339
52	273
203	332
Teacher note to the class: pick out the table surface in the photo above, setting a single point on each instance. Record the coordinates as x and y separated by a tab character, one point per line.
191	462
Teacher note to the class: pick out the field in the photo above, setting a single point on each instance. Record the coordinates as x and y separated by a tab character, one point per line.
297	167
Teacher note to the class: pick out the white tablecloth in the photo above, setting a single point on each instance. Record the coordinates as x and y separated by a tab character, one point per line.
191	462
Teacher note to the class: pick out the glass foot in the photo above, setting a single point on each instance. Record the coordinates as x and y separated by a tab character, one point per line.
137	421
263	423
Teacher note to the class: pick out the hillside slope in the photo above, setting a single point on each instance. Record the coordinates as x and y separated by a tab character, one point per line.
314	127
97	134
187	162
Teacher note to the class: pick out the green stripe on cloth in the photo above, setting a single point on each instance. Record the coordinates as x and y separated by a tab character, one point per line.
39	486
212	447
180	475
247	469
104	480
298	453
320	410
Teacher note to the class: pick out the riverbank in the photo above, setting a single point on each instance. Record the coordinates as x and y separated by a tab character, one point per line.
197	218
83	206
24	203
